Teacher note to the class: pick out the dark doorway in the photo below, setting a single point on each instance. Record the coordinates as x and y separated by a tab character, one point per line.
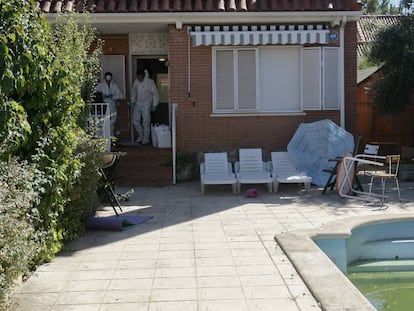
158	71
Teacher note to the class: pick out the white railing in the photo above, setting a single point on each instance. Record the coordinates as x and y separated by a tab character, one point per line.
174	142
99	121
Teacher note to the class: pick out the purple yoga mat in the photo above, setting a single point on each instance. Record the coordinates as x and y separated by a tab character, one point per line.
115	222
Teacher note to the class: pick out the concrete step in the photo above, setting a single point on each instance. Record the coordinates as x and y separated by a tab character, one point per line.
144	166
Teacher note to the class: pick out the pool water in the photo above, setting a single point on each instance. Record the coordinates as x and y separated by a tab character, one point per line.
391	291
378	259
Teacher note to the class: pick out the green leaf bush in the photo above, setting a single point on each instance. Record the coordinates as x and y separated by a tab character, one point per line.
19	240
47	77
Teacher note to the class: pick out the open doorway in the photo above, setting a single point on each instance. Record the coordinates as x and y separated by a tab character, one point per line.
157	67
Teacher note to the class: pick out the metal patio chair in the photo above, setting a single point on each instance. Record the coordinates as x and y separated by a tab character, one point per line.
392	165
109	161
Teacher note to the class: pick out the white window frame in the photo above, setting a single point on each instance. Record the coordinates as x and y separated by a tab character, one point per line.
320	72
236	81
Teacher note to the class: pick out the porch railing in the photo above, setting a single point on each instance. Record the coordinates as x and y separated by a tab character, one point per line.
99	122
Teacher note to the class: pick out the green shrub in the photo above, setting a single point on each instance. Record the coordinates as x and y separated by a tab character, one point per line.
19	241
82	197
47	77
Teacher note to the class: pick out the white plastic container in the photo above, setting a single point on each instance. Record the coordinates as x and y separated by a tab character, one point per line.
161	136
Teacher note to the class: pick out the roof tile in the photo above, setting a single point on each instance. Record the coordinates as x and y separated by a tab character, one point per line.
132	6
154	6
177	5
165	5
242	5
143	6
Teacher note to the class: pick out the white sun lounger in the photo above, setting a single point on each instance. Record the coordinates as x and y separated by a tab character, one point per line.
284	171
216	170
251	169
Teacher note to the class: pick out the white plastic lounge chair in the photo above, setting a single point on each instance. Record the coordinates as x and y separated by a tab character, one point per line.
284	171
251	169
216	170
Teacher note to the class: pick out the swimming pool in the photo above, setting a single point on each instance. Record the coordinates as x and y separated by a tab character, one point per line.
392	240
387	286
376	258
389	237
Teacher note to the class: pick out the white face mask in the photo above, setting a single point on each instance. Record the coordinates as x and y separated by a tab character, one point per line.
108	78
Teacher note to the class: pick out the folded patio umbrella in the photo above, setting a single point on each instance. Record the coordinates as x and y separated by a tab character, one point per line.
117	223
313	144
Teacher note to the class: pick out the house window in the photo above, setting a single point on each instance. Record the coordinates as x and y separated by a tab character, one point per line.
275	79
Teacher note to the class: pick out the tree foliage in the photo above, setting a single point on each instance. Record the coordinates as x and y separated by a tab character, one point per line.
47	77
394	50
379	7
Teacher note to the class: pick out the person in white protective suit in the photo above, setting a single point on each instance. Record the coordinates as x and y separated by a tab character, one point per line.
110	93
145	98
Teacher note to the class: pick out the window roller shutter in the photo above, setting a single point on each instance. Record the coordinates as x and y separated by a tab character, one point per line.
246	79
331	78
224	99
311	79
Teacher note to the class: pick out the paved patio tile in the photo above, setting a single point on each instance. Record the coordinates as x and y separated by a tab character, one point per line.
96	264
141	273
212	253
173	306
43	287
257	270
272	304
124	296
222	305
218	281
138	255
211	245
129	284
174	282
93	275
266	292
199	252
87	285
261	280
27	300
148	263
214	261
220	293
217	271
173	294
135	306
184	246
175	262
83	307
175	272
81	297
188	254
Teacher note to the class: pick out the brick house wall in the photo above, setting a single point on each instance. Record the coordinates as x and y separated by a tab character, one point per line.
198	131
350	51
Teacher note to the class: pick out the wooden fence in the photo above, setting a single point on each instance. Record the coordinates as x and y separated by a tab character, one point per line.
391	132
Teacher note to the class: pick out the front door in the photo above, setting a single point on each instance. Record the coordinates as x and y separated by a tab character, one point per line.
157	67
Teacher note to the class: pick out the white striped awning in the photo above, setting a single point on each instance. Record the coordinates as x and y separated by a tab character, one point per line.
259	34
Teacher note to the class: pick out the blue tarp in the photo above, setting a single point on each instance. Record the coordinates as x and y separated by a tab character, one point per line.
313	144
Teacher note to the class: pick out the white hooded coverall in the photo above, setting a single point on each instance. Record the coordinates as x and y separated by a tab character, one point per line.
144	96
110	93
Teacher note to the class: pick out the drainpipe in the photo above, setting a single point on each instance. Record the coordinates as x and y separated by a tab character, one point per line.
188	63
342	71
